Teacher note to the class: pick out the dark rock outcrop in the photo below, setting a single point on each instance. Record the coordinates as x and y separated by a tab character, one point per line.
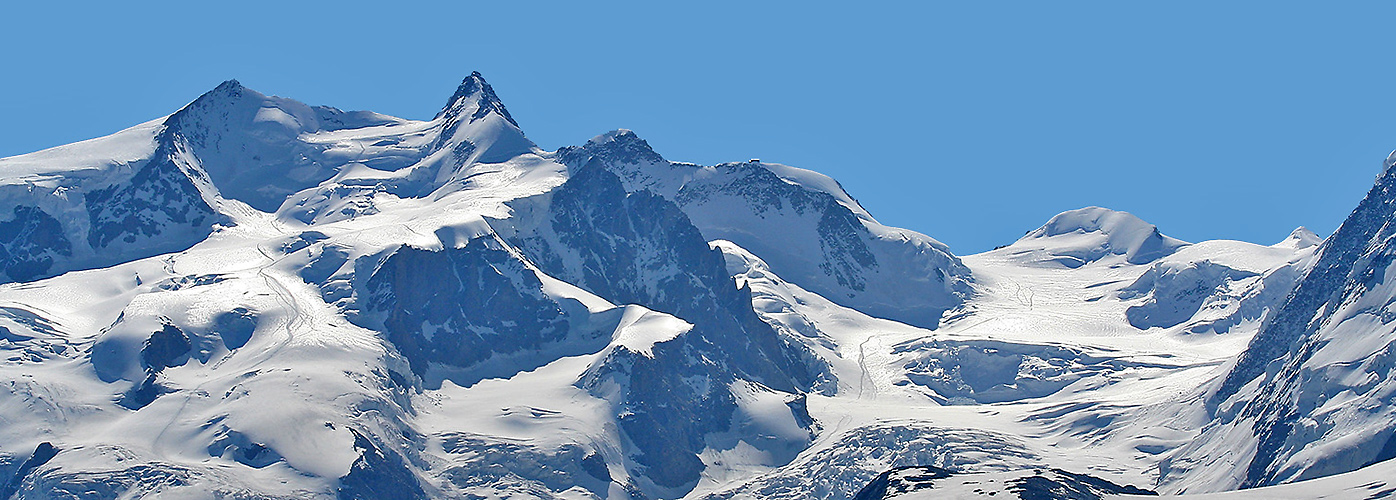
30	242
456	307
378	474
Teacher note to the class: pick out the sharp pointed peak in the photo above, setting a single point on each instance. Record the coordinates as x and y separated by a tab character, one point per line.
475	90
472	84
226	91
229	88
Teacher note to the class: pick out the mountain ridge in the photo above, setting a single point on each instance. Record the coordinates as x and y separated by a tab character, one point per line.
353	305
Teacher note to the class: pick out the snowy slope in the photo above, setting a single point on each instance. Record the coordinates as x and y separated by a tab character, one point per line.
1042	369
254	297
1311	395
131	195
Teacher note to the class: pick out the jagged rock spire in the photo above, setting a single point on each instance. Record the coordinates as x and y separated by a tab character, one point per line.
475	92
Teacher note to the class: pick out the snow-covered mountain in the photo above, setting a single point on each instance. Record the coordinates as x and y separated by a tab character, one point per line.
1311	395
257	298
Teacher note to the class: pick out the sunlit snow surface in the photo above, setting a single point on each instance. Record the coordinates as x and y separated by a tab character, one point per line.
384	308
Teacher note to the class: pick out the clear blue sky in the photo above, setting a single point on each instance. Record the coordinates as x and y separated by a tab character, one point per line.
970	123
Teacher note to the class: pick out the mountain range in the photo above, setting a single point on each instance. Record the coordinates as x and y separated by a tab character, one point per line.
258	298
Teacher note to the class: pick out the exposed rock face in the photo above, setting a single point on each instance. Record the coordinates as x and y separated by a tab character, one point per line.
42	454
639	248
162	208
378	474
160	197
456	307
165	348
1312	394
161	202
926	482
901	480
30	243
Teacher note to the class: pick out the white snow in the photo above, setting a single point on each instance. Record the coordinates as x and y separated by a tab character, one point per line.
640	329
1078	237
119	149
